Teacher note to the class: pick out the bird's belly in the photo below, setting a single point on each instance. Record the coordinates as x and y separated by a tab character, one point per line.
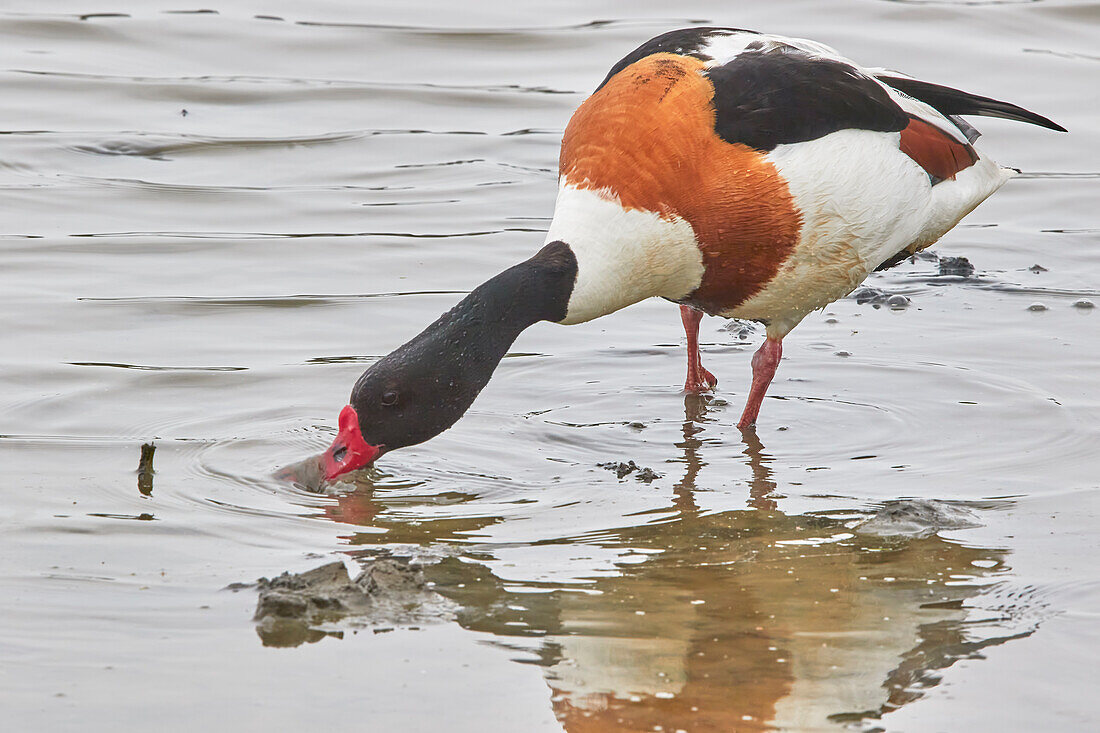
860	200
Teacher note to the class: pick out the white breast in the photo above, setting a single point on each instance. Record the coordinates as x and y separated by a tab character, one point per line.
623	256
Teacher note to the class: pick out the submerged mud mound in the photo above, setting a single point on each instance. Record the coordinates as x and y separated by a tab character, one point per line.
308	474
295	608
622	470
914	518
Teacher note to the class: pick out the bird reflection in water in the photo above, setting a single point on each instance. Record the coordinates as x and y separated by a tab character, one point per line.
741	620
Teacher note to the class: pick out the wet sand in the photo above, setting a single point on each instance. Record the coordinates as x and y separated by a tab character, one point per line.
214	221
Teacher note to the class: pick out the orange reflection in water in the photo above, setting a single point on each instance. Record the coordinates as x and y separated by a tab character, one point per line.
737	621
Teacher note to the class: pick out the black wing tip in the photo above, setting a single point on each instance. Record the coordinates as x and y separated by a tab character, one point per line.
1014	112
1052	125
1023	115
950	101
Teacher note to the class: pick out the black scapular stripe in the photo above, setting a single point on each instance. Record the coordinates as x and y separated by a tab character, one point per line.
948	102
764	99
686	42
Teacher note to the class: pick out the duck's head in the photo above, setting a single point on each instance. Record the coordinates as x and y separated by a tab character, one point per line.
409	396
424	387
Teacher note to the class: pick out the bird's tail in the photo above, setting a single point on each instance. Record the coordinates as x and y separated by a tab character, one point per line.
950	102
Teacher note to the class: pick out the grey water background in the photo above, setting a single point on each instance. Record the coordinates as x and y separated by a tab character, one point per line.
214	218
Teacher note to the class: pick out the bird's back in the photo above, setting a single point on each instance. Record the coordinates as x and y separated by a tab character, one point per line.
798	171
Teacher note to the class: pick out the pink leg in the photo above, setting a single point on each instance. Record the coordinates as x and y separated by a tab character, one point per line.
698	378
764	363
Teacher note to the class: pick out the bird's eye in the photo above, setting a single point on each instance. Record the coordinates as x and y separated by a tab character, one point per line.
389	398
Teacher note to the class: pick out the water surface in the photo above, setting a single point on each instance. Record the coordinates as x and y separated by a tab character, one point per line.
214	220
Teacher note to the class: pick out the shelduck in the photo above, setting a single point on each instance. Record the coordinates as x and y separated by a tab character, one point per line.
736	173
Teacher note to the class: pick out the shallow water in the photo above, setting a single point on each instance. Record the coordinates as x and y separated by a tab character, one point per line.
213	221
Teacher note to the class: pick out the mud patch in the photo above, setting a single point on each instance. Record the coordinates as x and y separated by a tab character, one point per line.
622	470
956	267
296	608
877	297
743	330
308	474
915	518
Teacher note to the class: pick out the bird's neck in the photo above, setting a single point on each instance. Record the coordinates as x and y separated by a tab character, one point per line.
465	344
495	313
